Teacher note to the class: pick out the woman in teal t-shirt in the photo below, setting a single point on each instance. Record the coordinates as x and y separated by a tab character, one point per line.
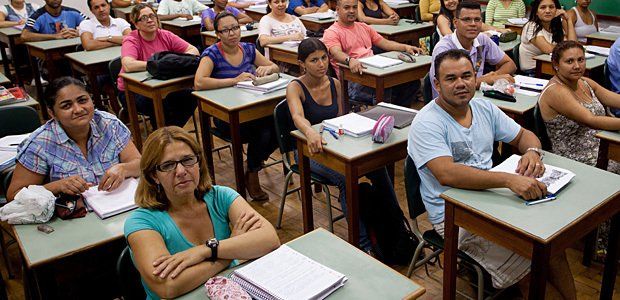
187	230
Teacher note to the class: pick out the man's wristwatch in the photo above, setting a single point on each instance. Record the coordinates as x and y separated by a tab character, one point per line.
109	38
538	151
347	60
212	244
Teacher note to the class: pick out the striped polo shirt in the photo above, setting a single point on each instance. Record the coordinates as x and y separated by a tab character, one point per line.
222	68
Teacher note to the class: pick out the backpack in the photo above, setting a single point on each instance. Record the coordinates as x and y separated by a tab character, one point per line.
167	64
387	227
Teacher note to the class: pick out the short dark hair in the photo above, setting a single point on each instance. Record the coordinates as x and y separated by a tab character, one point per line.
308	46
467	4
89	3
561	47
220	16
56	85
135	12
452	54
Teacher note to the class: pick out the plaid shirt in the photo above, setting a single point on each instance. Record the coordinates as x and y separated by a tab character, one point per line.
49	151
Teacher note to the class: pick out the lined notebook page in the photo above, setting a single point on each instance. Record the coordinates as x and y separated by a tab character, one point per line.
288	274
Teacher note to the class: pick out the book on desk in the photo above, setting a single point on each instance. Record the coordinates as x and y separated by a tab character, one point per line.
287	274
403	116
108	204
353	124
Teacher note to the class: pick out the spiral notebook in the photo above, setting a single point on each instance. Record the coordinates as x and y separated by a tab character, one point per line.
287	274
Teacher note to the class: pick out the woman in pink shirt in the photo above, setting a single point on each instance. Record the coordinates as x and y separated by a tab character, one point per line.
138	47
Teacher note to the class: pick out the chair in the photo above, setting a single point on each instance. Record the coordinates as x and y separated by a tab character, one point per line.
417	14
15	120
284	125
431	239
606	76
434	40
427	89
129	279
540	129
515	57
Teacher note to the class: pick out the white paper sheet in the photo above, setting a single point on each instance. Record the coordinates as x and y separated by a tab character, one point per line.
598	50
379	61
352	123
554	178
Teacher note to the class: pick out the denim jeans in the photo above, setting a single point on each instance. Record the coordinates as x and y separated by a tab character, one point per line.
379	178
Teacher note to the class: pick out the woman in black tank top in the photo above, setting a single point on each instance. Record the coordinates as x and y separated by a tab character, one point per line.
376	12
314	97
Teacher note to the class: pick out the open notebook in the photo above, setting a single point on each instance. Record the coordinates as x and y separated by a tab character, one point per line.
353	124
287	274
554	178
108	204
379	61
269	87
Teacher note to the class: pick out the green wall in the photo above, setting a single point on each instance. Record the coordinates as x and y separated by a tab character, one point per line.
601	7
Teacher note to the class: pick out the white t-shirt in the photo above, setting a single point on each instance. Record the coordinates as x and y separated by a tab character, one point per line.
272	27
23	13
527	50
190	7
116	28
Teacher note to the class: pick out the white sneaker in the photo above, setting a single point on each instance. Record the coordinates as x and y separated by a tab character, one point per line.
43	82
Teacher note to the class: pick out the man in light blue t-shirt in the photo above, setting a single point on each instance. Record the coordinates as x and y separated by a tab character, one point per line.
52	22
451	142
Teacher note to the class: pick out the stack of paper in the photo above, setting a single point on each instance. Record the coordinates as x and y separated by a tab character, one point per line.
353	124
287	274
379	61
518	21
330	14
597	50
611	29
554	178
108	204
530	82
264	88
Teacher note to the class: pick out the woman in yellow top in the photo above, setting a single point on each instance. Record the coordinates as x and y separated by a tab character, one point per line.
428	8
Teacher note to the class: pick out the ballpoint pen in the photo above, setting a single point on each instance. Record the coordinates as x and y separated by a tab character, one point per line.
549	197
331	131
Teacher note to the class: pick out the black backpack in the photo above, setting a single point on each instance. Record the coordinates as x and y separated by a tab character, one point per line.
387	228
166	65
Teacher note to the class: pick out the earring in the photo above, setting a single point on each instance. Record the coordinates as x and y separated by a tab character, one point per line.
158	188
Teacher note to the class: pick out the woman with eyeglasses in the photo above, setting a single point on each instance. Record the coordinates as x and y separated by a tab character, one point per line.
78	148
226	63
138	46
447	13
549	24
186	230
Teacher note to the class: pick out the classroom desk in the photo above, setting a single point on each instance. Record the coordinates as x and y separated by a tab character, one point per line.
536	232
367	277
316	25
10	38
515	27
93	64
255	13
154	89
406	31
381	79
5	81
352	157
123	12
544	66
283	53
603	39
507	47
609	148
49	52
234	106
406	10
185	29
70	237
516	110
209	37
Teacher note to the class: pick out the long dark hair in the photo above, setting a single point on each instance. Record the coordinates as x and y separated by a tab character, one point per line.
58	84
308	46
556	23
446	12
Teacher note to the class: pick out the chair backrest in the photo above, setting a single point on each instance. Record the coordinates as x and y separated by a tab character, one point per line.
129	279
114	67
418	14
427	89
515	56
284	126
18	120
412	188
434	40
540	129
606	76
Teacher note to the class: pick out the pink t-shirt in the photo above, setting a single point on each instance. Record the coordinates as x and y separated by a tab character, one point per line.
355	40
137	47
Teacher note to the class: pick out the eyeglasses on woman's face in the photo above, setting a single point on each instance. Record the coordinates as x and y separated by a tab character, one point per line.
228	31
168	166
144	18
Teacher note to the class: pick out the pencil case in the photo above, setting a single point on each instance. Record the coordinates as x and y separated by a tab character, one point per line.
499	96
382	129
508	37
266	79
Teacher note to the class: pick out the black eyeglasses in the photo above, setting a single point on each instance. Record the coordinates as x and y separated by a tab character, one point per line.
170	165
227	31
146	17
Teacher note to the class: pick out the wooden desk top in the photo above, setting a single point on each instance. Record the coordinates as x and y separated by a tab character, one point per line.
10	31
96	56
544	221
404	25
367	277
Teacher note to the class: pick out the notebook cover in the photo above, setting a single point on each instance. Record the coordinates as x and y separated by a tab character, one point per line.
402	118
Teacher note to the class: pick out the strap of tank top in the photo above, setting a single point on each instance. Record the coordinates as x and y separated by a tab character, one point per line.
303	87
545	89
332	87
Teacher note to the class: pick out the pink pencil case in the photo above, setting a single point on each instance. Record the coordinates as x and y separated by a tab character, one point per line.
382	129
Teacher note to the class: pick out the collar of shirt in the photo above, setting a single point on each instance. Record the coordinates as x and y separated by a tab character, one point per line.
64	138
456	42
98	24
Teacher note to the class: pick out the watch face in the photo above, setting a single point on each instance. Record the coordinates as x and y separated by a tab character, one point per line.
212	243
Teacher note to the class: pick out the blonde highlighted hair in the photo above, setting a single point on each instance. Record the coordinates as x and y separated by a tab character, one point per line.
148	195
